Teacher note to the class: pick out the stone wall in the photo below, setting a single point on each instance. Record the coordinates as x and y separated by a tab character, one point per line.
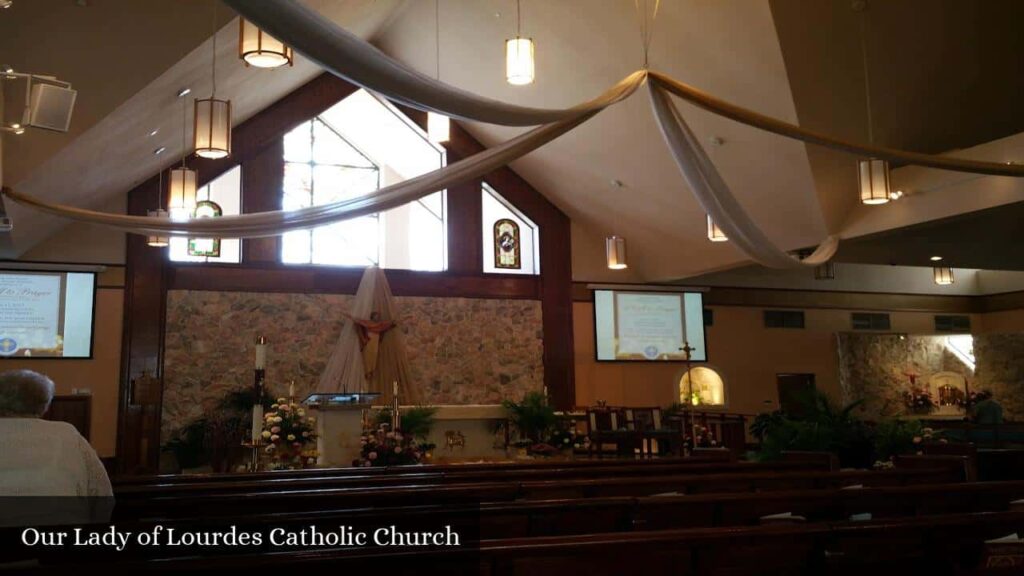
874	367
461	350
1001	370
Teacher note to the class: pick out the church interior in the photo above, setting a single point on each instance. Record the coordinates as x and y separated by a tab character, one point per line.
516	286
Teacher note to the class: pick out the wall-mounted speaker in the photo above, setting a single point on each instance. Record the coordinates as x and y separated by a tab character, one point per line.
51	106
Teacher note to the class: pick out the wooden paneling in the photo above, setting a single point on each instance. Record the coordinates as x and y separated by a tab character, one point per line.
317	280
821	299
257	148
75	410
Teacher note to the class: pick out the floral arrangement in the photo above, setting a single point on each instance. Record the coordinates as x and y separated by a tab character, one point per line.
918	401
383	447
568	439
288	430
705	438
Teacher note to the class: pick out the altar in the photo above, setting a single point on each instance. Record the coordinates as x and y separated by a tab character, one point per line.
460	432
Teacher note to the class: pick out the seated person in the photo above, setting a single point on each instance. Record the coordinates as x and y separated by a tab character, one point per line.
987	410
43	458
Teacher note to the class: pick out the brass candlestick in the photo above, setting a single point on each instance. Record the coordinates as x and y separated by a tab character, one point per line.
254	447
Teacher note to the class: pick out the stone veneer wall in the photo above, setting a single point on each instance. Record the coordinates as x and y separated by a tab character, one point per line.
461	350
873	367
1001	369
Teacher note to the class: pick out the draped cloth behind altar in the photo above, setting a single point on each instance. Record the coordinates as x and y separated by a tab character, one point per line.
370	354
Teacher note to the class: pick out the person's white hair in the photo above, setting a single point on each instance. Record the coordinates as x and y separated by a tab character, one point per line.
24	393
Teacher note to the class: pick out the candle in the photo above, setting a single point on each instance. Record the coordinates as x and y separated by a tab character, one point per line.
291	389
261	353
394	387
257	422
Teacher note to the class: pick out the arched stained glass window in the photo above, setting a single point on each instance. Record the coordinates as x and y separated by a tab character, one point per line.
507	245
209	247
223	194
511	240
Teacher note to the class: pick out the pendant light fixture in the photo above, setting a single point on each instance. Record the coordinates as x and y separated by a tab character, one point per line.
212	121
259	49
715	233
872	174
615	252
438	125
157	240
943	275
519	62
181	186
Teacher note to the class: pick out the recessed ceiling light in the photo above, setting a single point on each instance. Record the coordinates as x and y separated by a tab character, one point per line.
159	150
6	3
184	92
154	132
936	258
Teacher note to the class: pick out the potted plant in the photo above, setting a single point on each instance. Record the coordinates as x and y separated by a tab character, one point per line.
532	417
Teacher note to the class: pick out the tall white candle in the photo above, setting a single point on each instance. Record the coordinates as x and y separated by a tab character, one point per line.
261	355
257	421
291	389
394	387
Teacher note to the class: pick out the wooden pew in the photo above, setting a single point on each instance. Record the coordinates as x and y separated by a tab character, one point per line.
219	504
710	457
464	475
597	515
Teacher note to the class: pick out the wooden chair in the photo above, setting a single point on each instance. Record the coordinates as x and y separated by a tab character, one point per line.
607	426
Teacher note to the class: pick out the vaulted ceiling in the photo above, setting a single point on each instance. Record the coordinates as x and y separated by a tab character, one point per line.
944	74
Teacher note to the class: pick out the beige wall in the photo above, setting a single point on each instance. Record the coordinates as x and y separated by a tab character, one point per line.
747	355
1000	322
100	375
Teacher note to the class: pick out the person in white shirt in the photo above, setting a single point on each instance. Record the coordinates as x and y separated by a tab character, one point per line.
43	458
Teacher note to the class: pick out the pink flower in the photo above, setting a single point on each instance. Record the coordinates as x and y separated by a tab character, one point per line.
372	455
398	450
275	430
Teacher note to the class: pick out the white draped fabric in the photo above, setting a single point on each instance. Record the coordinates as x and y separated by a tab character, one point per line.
371	331
714	195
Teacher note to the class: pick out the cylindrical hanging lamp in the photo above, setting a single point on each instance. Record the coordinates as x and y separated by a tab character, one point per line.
212	120
156	240
715	233
519	60
181	193
212	128
259	49
615	252
873	176
943	275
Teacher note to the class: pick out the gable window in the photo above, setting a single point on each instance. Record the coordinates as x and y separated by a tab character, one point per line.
511	240
353	149
222	196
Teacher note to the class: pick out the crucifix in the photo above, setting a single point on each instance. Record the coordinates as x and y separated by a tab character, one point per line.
687	352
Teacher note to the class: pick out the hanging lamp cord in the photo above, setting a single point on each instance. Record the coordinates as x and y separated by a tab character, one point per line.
867	76
646	27
437	40
213	67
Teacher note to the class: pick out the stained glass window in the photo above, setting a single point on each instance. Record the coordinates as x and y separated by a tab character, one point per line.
224	192
506	245
205	246
511	240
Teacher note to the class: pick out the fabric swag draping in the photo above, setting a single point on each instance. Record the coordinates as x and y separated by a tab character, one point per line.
349	57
